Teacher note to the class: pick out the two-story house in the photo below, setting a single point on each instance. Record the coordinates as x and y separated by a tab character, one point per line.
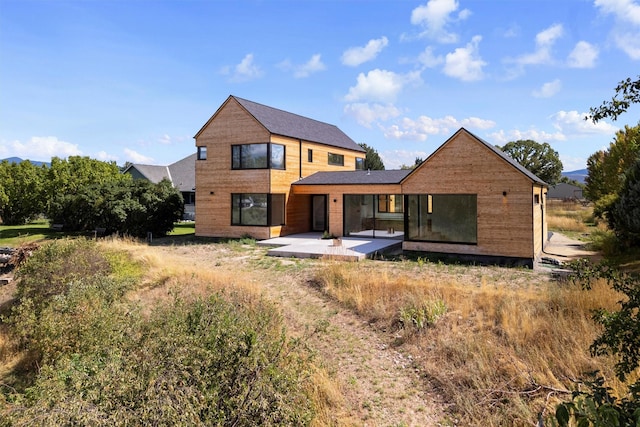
265	172
249	154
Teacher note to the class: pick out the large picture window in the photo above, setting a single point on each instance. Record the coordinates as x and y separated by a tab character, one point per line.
257	209
258	156
443	218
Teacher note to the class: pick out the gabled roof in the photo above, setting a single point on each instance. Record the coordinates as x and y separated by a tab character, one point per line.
355	177
504	156
279	122
182	174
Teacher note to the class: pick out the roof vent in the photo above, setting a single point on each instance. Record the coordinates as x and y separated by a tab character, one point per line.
369	171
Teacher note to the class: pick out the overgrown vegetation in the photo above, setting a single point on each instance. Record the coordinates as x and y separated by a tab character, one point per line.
598	404
502	346
92	356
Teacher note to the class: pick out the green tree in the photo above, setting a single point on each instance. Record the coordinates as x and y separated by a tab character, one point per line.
606	168
129	207
627	93
21	186
624	216
372	159
540	159
620	337
415	164
70	176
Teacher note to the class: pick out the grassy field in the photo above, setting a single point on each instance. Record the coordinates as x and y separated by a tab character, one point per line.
17	235
499	345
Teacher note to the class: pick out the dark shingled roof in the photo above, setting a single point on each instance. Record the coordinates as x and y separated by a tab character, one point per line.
355	177
280	122
182	173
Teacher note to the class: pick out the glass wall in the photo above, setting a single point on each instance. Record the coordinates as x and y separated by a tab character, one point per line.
373	215
443	218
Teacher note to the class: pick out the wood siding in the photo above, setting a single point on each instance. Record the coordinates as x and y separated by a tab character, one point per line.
504	195
335	199
216	181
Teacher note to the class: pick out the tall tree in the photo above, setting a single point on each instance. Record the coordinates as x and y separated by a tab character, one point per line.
70	176
21	197
372	160
606	168
627	93
540	159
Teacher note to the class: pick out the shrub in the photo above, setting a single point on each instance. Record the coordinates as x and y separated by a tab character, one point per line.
221	360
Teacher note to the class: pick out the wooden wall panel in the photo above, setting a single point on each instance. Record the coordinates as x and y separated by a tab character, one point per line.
215	181
505	217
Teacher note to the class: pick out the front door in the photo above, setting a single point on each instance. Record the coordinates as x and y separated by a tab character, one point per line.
319	213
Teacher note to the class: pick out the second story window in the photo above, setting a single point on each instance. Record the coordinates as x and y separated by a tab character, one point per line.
359	164
202	153
258	156
310	155
336	159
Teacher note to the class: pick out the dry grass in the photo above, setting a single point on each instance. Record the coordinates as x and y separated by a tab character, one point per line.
500	349
165	279
569	217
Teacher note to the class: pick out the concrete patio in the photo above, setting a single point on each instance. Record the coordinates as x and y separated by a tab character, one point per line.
311	245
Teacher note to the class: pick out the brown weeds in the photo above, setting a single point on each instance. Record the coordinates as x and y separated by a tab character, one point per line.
502	351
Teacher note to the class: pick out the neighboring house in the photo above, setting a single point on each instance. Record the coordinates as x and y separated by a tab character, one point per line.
265	172
181	174
564	191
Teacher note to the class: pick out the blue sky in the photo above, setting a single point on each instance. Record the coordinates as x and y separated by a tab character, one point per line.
135	80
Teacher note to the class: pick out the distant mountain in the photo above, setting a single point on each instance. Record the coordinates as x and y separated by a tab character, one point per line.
578	175
19	160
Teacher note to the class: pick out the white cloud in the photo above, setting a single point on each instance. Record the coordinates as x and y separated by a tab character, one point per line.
165	139
465	63
420	128
542	55
428	59
366	114
574	123
501	137
313	65
548	89
105	157
380	85
244	71
435	16
624	10
394	159
629	43
41	148
626	29
135	157
583	55
355	56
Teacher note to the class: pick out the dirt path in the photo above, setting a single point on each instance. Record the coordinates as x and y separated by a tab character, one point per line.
381	387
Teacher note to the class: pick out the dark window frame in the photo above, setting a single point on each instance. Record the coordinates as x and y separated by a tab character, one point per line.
271	200
360	163
431	210
202	152
270	163
335	159
309	155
